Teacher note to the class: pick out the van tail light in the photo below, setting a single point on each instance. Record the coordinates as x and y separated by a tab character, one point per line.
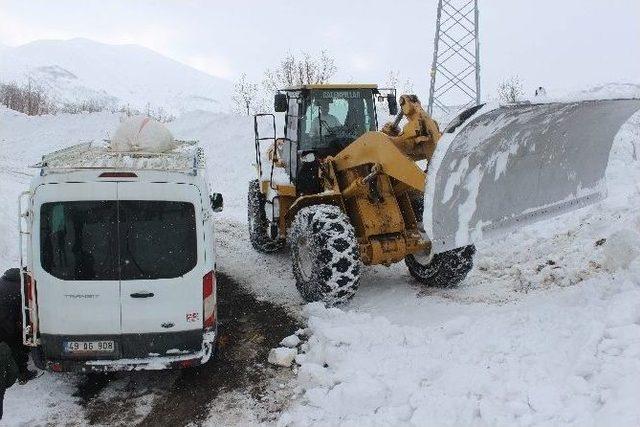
209	299
187	363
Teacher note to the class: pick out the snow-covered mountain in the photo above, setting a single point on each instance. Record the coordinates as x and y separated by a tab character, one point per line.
80	69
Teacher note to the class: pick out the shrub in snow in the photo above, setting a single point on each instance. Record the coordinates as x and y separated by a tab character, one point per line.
140	133
621	248
282	356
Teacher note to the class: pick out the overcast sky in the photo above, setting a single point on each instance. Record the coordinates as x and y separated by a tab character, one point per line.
555	43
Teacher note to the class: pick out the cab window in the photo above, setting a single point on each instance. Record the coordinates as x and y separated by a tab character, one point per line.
335	118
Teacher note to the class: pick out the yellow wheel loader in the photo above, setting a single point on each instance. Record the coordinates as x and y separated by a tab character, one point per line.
343	194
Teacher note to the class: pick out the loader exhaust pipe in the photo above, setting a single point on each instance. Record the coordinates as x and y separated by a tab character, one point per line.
398	119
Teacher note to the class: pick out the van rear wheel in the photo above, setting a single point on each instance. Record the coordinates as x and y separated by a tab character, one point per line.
258	224
443	270
325	255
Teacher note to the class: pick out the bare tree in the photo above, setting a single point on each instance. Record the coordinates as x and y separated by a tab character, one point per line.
91	105
32	100
302	70
510	90
29	98
245	96
157	113
393	81
408	86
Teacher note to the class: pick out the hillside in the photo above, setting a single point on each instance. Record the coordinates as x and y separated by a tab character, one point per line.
79	69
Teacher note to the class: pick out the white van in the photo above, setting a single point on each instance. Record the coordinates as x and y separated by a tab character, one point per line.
120	260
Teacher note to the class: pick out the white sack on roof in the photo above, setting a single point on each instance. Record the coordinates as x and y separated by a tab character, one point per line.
141	133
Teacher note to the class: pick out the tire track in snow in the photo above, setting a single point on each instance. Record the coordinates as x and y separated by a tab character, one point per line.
248	330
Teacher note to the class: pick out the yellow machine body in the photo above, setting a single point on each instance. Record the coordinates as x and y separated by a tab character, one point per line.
373	180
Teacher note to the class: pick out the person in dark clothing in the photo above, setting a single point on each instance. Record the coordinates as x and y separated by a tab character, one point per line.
11	322
8	371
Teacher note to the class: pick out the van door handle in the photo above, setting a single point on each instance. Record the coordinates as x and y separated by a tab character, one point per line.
142	295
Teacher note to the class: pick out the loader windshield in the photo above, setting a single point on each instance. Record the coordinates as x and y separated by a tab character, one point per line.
334	118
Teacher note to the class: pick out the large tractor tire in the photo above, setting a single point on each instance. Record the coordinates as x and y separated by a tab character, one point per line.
444	270
325	255
258	224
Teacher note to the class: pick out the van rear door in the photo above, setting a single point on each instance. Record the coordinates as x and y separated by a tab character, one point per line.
161	268
75	265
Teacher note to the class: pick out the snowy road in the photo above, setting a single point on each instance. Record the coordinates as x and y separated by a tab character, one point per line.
544	331
236	388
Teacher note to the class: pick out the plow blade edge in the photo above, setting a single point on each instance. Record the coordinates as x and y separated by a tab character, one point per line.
519	164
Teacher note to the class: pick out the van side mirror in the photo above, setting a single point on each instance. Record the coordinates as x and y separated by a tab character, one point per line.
393	104
280	103
217	202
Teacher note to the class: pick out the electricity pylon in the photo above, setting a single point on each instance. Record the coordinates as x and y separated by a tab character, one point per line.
455	72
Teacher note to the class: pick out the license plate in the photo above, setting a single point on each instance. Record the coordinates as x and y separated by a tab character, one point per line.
89	347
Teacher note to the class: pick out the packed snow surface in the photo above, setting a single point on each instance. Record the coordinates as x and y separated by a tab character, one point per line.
282	356
291	341
545	330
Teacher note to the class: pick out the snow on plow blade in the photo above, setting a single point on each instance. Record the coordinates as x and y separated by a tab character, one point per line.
519	164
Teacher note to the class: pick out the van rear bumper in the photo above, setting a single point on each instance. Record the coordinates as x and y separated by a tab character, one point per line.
182	359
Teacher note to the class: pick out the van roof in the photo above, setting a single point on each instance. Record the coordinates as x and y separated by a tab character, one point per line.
186	157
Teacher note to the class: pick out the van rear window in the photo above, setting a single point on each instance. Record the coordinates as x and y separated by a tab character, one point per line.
118	240
78	240
157	239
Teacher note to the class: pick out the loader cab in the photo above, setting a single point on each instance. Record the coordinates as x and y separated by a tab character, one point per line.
320	121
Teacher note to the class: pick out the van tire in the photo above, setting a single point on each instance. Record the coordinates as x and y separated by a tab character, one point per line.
258	224
446	269
324	254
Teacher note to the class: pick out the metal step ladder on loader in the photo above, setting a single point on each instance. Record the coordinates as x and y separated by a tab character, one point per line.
270	188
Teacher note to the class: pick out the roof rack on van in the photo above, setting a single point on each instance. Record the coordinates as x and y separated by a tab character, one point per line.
185	157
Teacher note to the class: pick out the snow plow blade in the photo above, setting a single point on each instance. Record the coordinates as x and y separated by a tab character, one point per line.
519	164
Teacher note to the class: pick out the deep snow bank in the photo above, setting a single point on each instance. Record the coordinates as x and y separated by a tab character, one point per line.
564	358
